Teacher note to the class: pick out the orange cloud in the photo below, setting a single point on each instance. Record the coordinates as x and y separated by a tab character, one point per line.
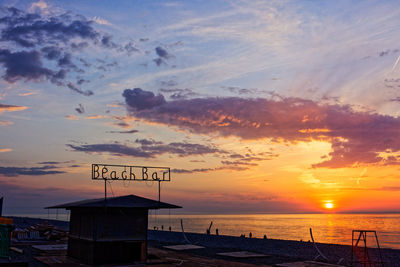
10	108
5	123
3	150
71	117
114	105
94	117
75	118
314	131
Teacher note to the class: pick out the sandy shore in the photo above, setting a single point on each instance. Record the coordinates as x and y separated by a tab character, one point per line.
280	250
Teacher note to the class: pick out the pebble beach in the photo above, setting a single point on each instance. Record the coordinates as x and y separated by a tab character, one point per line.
292	250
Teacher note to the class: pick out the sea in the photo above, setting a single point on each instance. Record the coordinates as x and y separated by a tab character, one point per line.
326	228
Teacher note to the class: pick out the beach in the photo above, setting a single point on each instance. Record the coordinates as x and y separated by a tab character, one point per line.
326	228
275	251
278	249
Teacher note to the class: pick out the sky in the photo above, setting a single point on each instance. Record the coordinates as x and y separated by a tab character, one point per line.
256	106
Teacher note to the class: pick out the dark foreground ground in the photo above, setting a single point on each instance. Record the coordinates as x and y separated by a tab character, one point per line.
276	251
279	250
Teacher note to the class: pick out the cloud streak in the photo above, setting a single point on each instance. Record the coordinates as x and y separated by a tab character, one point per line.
148	148
9	108
124	132
205	170
5	123
31	171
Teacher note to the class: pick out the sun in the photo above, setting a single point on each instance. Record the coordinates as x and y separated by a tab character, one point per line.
329	205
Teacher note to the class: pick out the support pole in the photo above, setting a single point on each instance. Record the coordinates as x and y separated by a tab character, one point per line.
159	191
1	206
105	189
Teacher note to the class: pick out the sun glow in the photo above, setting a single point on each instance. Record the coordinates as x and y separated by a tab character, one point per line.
329	205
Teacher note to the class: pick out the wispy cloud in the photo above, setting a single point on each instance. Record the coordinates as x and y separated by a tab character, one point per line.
71	117
177	93
94	117
124	132
5	123
9	108
205	170
53	162
148	148
28	93
3	150
91	117
101	21
30	171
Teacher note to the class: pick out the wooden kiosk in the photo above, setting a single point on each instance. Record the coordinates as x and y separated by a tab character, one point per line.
111	230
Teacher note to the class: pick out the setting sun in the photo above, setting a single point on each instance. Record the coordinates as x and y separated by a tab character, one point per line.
329	205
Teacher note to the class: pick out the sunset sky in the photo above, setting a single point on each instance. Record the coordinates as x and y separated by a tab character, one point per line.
256	106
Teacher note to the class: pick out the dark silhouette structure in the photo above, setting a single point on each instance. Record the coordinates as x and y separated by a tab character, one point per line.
1	206
112	230
361	254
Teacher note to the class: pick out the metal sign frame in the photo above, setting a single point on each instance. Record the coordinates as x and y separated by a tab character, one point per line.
114	172
136	173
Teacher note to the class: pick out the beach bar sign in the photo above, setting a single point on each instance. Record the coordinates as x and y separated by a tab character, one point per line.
130	173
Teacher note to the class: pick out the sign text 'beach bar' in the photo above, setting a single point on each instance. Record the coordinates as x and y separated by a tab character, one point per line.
130	173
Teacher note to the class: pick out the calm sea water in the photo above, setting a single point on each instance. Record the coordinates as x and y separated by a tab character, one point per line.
327	228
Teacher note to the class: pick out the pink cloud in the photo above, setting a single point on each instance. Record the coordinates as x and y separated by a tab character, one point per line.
356	137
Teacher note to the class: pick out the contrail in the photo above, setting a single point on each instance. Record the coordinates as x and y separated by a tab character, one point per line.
395	64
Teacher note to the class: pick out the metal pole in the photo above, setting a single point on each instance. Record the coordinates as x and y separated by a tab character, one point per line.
366	250
105	189
352	247
159	189
1	206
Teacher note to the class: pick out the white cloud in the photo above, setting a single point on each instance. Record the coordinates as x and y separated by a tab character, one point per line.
40	6
101	21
